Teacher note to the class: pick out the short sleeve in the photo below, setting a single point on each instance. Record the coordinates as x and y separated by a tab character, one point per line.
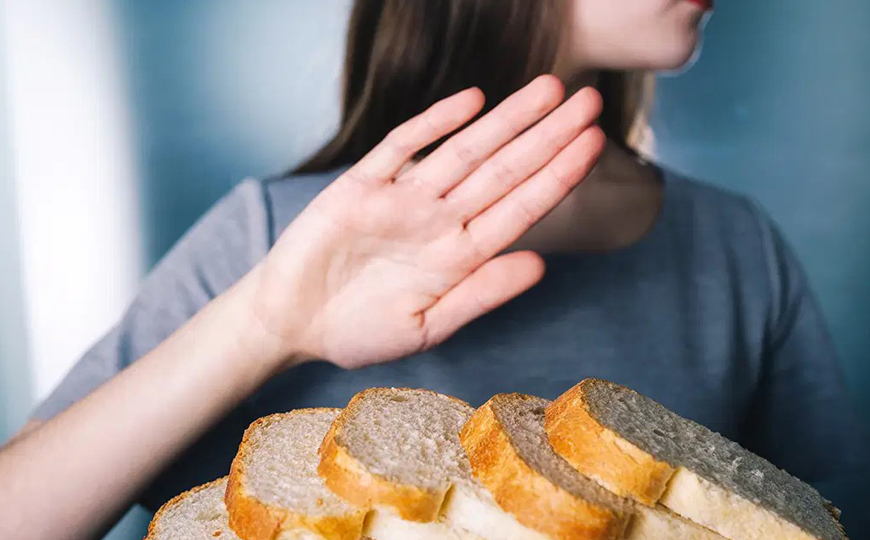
215	252
802	418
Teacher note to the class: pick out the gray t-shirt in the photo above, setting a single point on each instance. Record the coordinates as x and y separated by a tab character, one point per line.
710	314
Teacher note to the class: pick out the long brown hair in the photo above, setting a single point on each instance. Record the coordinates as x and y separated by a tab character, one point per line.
404	55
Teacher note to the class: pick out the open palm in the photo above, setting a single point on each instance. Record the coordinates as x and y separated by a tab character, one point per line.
390	260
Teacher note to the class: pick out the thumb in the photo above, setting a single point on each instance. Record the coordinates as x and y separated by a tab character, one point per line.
492	284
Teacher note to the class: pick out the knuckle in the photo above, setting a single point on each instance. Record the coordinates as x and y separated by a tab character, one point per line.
397	143
429	122
505	122
464	152
552	140
563	179
527	211
501	170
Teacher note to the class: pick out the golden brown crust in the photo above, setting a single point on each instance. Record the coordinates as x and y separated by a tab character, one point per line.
602	454
251	519
351	480
152	527
534	500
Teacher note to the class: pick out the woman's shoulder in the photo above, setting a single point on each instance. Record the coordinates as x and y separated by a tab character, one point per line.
255	209
693	194
241	227
711	209
717	223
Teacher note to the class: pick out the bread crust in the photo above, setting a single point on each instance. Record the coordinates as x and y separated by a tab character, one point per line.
534	500
152	527
625	469
350	479
252	519
602	454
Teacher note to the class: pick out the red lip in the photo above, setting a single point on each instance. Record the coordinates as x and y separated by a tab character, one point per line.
706	5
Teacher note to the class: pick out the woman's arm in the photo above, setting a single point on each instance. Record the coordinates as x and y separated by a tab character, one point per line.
69	477
385	262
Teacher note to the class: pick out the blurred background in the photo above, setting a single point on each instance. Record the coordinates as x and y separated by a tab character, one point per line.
121	121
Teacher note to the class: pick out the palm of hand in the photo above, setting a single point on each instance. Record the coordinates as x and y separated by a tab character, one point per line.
382	265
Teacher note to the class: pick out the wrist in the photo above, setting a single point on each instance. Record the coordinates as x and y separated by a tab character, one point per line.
264	349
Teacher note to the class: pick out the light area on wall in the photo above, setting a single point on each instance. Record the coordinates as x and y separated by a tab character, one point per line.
14	371
69	140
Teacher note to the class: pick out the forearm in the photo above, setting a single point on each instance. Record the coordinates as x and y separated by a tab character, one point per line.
89	463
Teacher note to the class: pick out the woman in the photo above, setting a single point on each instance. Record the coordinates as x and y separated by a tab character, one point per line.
422	232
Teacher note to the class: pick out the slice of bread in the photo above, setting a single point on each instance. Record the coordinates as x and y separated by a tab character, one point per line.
198	514
636	447
510	455
397	451
396	448
274	490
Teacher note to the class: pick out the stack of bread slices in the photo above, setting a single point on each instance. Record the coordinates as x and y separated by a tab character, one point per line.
600	462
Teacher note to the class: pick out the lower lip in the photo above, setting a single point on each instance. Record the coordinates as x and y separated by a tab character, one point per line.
706	5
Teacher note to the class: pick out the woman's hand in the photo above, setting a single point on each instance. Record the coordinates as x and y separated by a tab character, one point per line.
390	260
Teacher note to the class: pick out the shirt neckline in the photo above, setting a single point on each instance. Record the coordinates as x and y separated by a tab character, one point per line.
655	230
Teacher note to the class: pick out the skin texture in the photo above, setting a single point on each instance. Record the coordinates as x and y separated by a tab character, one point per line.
464	244
664	34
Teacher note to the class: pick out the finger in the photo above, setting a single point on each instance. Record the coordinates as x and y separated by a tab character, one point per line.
383	163
526	155
495	282
464	152
504	222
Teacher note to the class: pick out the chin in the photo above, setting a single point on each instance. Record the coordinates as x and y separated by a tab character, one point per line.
678	55
680	45
680	60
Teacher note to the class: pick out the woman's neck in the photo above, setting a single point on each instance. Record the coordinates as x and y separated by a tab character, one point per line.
614	207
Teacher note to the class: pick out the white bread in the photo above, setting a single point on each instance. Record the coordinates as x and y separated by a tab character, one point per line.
401	464
274	491
397	451
198	514
637	448
509	453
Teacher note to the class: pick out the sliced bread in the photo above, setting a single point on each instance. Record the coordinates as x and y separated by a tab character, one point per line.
637	448
396	447
274	490
509	454
198	514
397	452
